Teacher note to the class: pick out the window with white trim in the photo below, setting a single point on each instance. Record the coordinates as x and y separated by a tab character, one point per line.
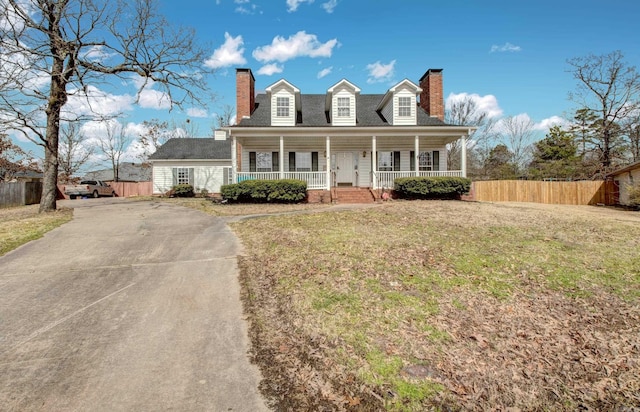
385	161
344	107
182	176
282	106
404	106
424	161
303	161
264	162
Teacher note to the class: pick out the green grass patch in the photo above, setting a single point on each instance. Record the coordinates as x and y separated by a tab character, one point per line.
23	224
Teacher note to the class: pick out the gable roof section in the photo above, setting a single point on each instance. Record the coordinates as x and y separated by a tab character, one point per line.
345	83
632	166
312	113
127	172
193	149
389	94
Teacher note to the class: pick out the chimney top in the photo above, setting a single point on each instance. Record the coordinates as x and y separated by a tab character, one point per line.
431	71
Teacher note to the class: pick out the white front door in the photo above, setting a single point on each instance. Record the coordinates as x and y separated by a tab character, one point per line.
344	167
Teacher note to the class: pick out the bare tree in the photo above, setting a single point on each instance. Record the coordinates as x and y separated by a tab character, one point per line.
113	145
51	50
183	129
517	135
610	88
73	152
156	134
224	117
631	129
13	159
467	112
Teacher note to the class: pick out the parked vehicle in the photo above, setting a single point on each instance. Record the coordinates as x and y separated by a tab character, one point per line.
89	188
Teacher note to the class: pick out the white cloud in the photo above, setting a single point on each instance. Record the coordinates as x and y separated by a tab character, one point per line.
229	54
330	5
487	103
197	112
97	53
292	5
93	101
548	123
270	69
149	98
507	47
324	72
298	45
379	72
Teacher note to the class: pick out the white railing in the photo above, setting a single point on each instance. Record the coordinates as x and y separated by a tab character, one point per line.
385	179
315	180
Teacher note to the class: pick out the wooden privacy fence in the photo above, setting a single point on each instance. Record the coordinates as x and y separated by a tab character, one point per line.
122	189
560	193
130	189
20	193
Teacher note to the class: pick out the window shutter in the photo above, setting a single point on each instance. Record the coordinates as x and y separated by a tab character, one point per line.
174	172
192	176
436	160
252	161
292	161
396	161
275	162
314	161
412	160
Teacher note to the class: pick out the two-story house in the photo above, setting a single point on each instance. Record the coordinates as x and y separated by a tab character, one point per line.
343	138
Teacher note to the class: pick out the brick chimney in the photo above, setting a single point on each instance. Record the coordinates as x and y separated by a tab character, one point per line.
432	96
245	94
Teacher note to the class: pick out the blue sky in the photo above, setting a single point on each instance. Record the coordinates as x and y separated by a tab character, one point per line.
511	54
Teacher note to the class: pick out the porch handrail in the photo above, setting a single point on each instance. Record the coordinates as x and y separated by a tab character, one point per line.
315	180
385	179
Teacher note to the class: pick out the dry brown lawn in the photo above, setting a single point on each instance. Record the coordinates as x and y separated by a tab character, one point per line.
446	305
19	225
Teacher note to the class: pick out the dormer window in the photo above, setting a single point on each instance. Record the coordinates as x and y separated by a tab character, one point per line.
404	106
282	107
344	106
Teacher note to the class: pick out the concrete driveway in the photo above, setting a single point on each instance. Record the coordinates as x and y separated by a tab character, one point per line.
131	306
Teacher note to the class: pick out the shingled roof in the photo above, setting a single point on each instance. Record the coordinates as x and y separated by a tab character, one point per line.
313	112
193	149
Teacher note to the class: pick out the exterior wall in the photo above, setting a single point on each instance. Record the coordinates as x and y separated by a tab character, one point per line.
343	121
207	175
625	180
322	162
387	111
282	91
404	121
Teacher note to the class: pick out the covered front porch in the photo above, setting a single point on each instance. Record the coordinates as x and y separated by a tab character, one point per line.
354	160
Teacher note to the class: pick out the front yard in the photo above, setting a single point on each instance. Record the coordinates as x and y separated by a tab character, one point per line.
447	306
19	225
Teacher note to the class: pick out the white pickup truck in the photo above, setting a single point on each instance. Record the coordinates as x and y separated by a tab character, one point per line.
89	188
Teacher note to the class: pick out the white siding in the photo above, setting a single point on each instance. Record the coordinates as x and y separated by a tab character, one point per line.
387	111
404	121
282	91
625	180
207	175
364	170
343	121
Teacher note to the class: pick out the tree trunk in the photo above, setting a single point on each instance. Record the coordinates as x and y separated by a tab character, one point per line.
57	99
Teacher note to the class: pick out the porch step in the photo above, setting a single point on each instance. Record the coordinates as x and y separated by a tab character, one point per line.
351	195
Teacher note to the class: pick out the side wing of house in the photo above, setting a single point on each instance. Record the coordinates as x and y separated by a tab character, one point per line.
625	181
207	175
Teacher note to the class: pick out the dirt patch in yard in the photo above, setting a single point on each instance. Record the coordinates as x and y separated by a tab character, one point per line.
446	306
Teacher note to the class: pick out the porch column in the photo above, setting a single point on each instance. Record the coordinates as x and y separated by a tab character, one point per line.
416	156
234	160
374	163
328	161
463	155
281	155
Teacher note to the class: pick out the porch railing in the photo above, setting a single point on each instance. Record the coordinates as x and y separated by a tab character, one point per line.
385	179
315	180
